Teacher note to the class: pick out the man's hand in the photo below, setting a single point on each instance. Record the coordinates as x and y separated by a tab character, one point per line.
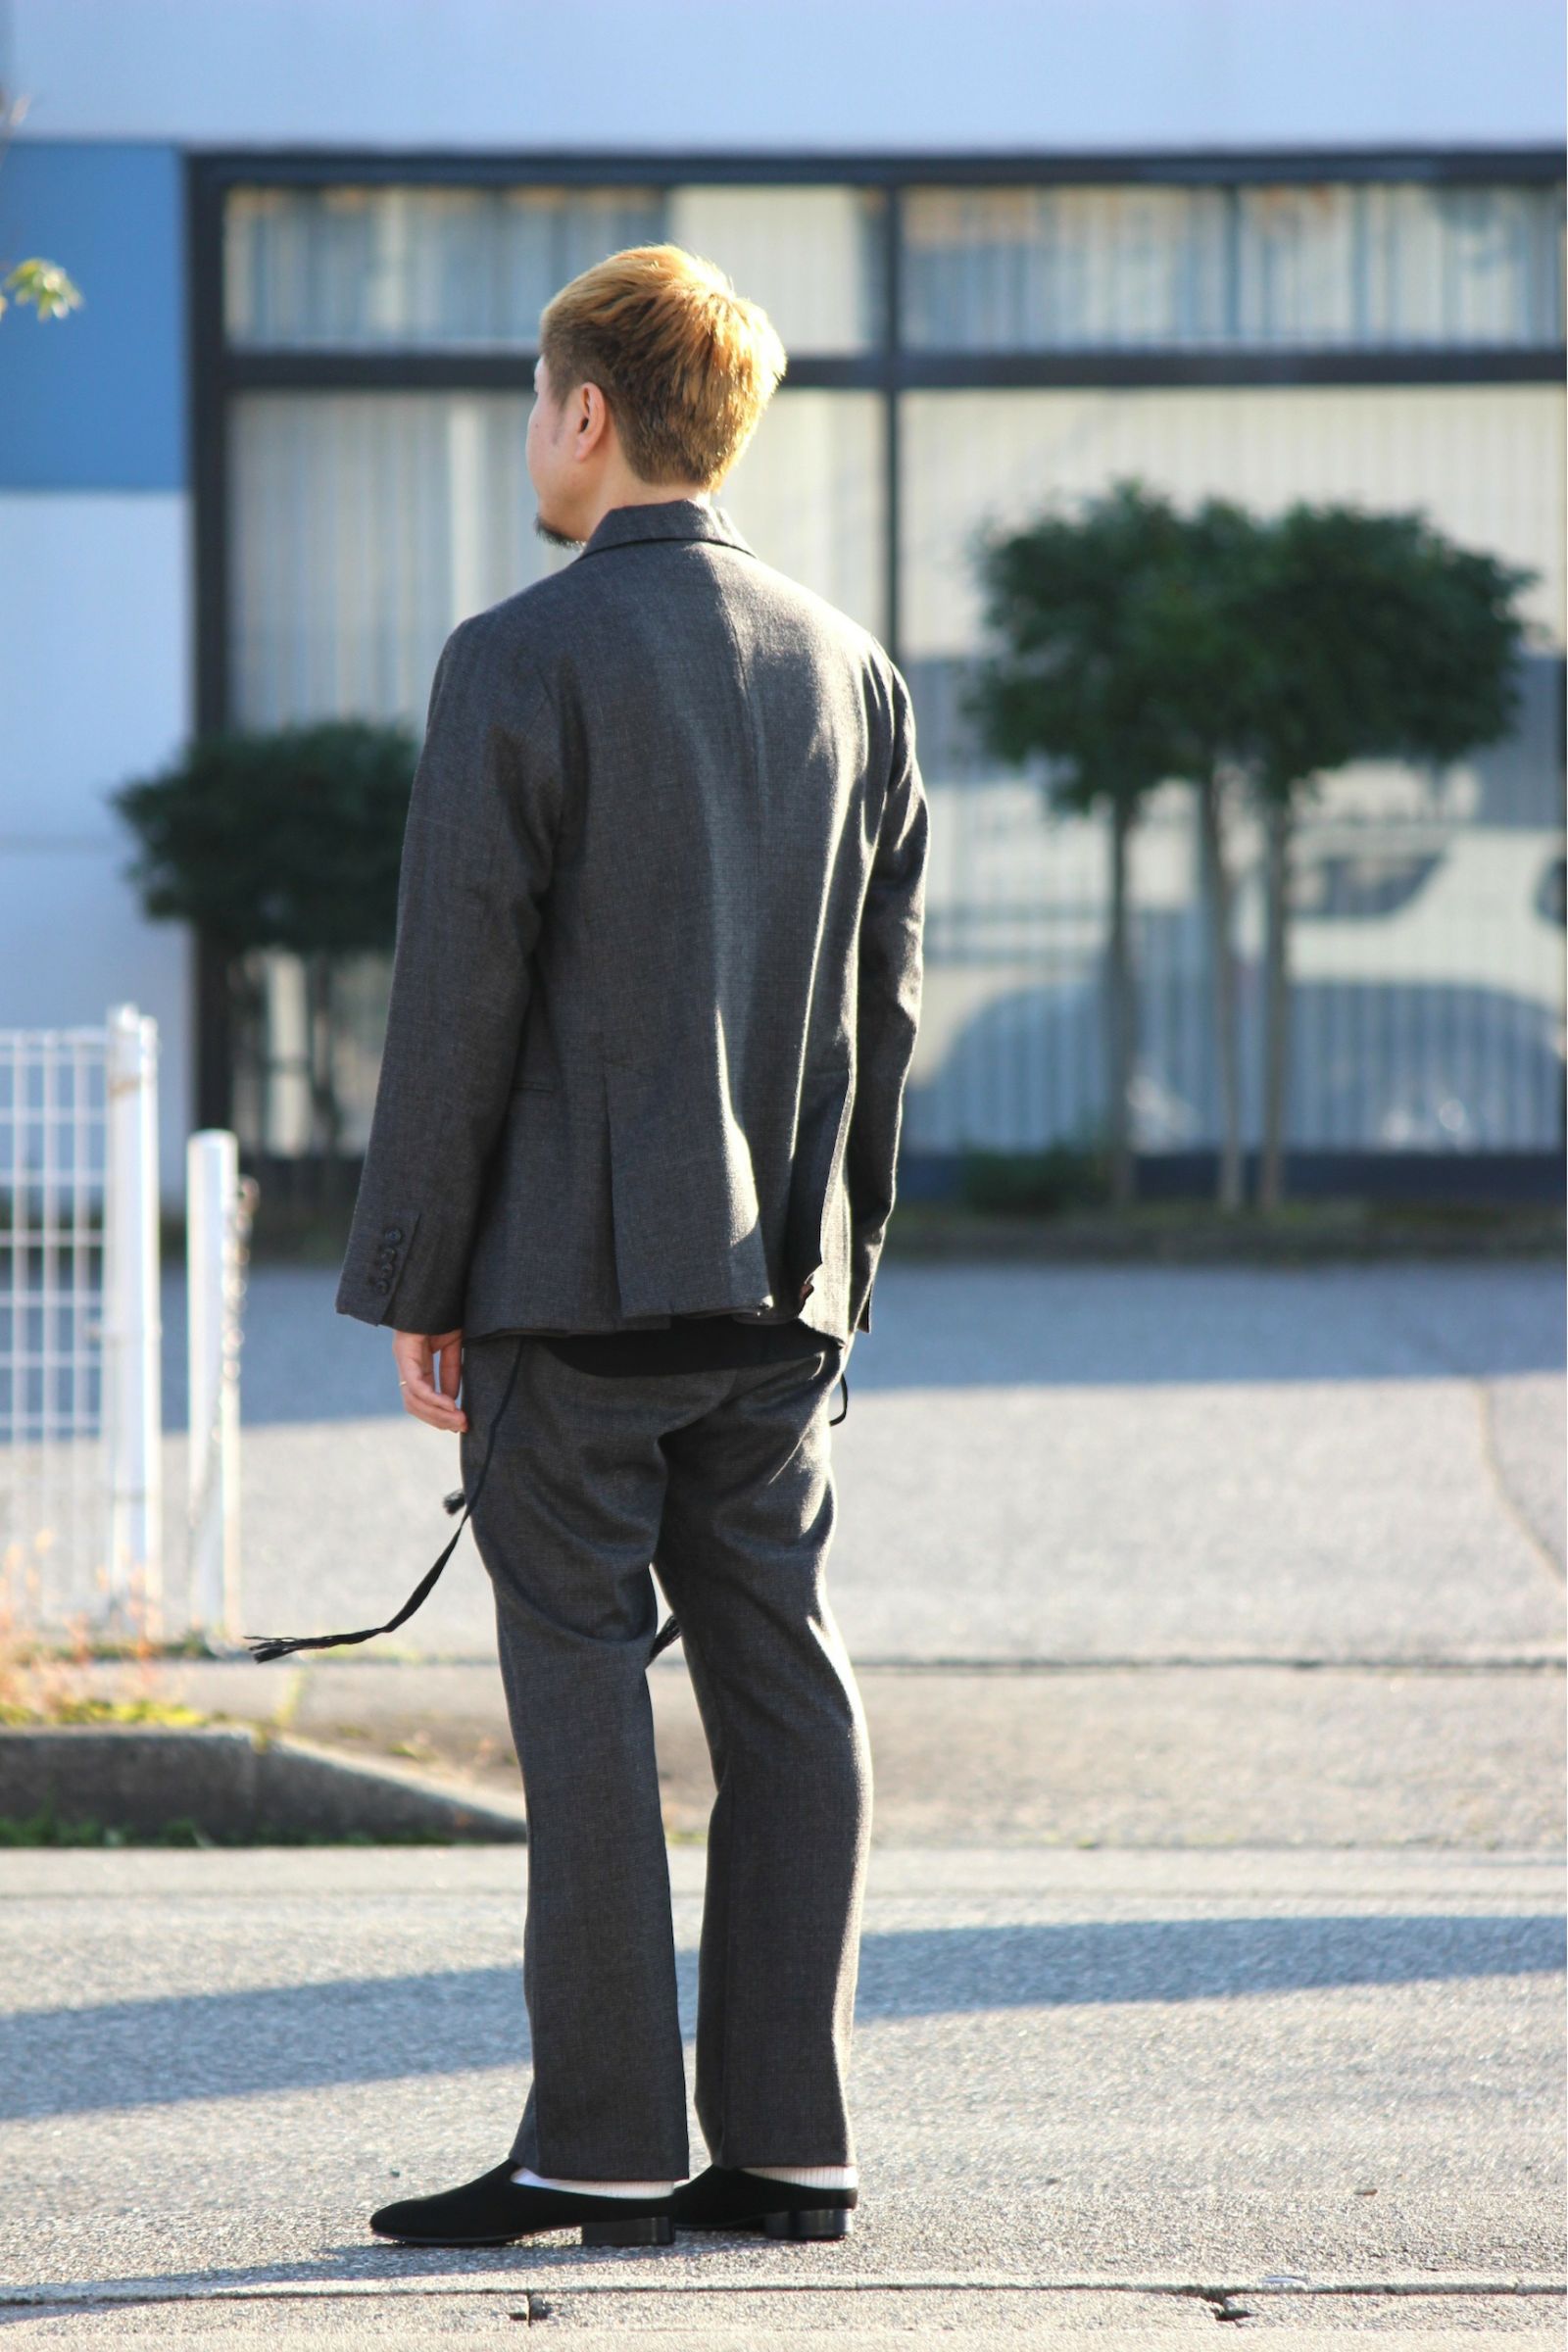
425	1395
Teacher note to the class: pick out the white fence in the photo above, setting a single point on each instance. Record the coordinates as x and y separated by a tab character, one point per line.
80	1414
219	1208
132	1332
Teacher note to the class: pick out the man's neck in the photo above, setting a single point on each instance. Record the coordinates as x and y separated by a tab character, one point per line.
629	493
632	493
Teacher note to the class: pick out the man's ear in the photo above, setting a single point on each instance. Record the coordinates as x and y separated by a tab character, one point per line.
592	413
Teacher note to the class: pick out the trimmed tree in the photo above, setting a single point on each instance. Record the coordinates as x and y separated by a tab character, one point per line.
287	838
1115	660
1370	636
1244	656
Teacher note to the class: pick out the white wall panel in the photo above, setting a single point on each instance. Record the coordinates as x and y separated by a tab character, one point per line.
73	943
95	685
731	75
94	650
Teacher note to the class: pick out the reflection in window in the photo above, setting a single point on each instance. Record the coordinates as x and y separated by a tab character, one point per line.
1483	460
1359	885
274	1107
1425	1000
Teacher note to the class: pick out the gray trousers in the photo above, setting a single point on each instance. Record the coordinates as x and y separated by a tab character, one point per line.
724	1481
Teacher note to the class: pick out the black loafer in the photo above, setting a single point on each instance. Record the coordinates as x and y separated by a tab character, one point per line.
725	2197
495	2209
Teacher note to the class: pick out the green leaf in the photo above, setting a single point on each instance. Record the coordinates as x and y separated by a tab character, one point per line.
286	838
46	286
1131	643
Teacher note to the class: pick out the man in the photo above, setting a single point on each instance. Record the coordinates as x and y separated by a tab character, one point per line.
653	1001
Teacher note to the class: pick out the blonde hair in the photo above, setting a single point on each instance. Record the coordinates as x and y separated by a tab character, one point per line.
685	363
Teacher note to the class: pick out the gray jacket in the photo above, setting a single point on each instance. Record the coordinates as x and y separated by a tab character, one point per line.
657	965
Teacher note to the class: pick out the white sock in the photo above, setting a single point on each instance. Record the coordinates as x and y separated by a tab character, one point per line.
809	2176
594	2189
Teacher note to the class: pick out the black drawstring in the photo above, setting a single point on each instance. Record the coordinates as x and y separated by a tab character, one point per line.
264	1649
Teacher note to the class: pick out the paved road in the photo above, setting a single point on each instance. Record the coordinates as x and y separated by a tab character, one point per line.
1090	1465
1142	1555
1111	2091
1210	1626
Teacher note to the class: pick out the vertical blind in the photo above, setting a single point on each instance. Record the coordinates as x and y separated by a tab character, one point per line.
415	268
1323	264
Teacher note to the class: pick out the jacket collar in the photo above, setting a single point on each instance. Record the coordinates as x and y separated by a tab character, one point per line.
664	518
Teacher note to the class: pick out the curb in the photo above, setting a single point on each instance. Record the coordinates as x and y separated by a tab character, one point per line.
236	1787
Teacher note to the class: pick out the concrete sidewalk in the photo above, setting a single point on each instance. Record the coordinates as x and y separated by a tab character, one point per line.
1219	1755
1126	2093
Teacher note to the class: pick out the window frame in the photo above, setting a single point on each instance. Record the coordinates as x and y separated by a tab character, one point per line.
218	371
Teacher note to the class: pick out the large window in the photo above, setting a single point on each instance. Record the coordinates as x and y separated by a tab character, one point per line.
1428	949
366	524
961	357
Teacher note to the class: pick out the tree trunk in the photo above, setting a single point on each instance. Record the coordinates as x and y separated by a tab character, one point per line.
247	1032
1121	1010
1278	827
216	960
326	1121
1219	894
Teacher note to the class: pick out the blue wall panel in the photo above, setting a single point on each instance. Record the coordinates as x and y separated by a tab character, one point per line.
96	400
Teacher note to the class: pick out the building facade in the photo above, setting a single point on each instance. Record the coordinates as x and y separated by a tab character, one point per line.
278	453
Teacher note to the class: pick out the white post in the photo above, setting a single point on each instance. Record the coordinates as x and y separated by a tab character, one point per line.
214	1258
133	1328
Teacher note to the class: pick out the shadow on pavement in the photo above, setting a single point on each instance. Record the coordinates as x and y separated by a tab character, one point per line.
140	2053
971	1326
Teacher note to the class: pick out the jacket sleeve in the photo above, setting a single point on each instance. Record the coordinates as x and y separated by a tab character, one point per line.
478	851
888	1004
